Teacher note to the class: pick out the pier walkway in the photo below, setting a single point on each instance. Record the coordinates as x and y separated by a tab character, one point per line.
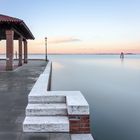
14	89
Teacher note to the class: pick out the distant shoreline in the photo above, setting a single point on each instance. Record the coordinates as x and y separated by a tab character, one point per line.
82	54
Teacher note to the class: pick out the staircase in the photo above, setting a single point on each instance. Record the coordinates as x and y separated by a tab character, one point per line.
46	116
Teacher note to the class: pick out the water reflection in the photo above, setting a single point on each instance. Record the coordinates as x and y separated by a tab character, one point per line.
111	90
57	65
122	59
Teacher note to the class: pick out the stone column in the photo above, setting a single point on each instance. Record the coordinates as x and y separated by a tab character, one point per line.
20	51
25	52
9	49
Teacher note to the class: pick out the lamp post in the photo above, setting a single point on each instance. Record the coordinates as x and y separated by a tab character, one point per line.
46	49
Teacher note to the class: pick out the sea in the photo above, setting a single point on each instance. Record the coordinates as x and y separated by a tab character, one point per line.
110	85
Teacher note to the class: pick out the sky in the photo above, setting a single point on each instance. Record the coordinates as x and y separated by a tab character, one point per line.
78	26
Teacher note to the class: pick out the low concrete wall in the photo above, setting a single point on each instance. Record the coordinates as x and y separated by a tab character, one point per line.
77	106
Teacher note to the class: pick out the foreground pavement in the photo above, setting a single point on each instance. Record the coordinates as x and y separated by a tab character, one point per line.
14	89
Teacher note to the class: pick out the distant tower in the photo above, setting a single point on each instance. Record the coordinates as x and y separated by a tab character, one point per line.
122	55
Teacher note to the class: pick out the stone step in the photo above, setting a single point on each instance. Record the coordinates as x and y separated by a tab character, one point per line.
46	109
45	98
81	137
46	124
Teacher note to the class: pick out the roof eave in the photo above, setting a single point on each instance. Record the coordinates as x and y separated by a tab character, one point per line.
30	33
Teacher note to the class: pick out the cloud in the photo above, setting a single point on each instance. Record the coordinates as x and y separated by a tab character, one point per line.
63	40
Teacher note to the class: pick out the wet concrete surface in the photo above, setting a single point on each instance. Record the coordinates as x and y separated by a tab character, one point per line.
14	89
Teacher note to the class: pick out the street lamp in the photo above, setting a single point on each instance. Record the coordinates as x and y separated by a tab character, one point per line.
46	49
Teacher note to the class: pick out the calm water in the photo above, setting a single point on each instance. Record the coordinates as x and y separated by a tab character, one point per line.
112	88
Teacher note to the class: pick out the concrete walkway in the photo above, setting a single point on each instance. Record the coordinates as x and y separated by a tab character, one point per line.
14	89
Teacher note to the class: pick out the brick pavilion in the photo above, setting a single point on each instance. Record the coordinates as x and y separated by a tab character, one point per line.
14	29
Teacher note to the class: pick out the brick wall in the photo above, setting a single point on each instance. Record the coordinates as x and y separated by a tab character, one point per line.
79	123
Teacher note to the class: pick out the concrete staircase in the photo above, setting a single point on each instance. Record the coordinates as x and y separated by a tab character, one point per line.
46	116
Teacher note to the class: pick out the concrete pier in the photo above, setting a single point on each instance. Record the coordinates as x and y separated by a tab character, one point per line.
14	89
43	112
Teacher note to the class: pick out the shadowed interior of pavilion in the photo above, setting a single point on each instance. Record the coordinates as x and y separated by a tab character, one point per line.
14	29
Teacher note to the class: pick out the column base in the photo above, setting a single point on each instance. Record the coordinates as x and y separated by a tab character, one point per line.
20	64
9	68
25	61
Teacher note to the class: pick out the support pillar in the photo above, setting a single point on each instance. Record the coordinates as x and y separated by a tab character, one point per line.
9	49
25	52
20	51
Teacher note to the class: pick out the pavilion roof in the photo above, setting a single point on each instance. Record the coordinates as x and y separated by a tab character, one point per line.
18	25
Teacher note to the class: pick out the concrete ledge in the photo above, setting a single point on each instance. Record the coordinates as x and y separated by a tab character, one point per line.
81	137
48	68
77	105
42	83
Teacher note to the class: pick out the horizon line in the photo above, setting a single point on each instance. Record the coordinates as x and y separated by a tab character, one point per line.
79	53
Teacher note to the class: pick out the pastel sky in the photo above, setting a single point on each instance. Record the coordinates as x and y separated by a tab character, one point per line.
78	26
